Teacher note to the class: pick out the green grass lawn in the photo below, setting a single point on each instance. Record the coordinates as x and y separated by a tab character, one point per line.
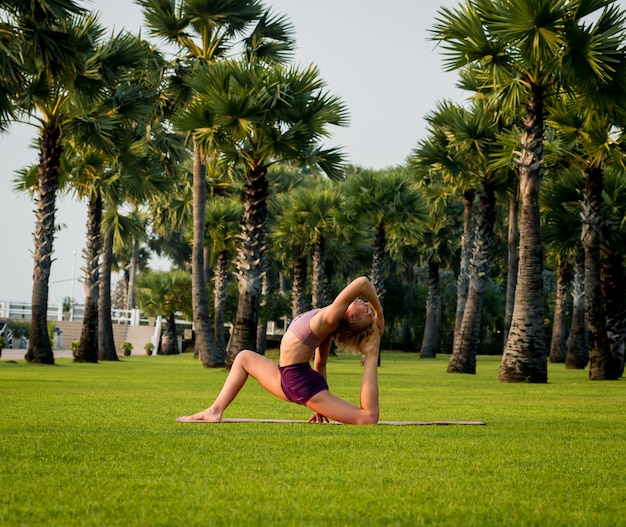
85	444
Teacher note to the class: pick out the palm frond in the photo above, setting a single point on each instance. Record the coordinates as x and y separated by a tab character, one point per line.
271	39
460	33
164	19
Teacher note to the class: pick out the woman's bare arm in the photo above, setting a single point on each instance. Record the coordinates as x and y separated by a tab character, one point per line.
360	287
321	357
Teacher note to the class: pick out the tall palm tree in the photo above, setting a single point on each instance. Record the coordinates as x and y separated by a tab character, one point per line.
504	158
223	216
523	51
560	208
435	159
613	271
589	126
470	136
106	341
106	176
256	115
474	137
87	350
56	43
118	230
208	32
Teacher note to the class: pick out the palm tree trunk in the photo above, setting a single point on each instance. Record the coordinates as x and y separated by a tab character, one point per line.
524	358
463	358
169	343
329	272
432	327
378	261
261	330
614	292
132	275
220	282
88	347
467	243
249	262
205	344
208	271
39	347
558	347
512	259
106	342
601	365
577	354
298	289
407	303
319	257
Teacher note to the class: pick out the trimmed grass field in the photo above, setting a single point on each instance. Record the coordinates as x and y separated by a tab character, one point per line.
97	444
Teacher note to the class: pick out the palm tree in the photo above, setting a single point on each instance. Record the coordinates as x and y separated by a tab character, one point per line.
560	207
274	304
54	70
223	216
434	159
523	51
292	245
390	204
88	119
106	177
589	126
577	343
438	245
130	254
256	115
504	158
317	208
470	136
87	350
118	231
474	136
106	341
165	293
613	272
206	32
406	259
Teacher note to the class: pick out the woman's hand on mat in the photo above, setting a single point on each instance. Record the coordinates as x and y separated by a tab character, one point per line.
318	418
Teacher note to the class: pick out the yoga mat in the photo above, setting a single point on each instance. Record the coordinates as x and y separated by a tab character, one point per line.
393	423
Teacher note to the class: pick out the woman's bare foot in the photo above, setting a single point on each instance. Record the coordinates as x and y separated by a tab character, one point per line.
207	415
371	346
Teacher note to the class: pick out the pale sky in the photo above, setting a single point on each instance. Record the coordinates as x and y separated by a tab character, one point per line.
376	56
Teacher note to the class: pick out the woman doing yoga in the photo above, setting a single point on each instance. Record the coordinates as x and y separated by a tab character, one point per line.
355	319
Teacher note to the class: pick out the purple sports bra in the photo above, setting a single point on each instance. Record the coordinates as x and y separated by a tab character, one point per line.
300	328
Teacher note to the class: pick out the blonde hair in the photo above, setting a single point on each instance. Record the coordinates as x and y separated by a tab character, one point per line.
350	340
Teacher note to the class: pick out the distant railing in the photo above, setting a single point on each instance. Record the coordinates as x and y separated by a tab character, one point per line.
22	311
76	313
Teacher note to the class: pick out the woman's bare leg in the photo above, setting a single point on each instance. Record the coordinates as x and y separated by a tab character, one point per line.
246	363
333	407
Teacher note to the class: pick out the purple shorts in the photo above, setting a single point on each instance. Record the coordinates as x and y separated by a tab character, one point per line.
300	382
